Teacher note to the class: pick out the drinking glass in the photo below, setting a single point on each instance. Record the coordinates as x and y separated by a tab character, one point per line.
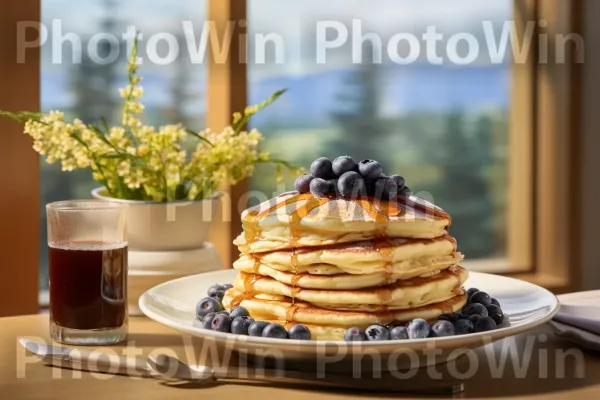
87	247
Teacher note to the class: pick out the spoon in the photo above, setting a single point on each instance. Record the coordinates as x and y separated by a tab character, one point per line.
174	370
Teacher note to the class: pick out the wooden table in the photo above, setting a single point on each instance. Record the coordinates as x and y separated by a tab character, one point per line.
23	377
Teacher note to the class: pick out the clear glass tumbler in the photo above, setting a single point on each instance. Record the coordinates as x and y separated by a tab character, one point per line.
87	247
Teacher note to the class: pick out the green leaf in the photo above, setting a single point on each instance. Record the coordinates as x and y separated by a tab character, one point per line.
240	125
12	116
116	156
276	95
100	134
198	136
32	114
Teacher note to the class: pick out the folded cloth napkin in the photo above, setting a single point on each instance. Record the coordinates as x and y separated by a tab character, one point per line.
578	319
585	339
581	310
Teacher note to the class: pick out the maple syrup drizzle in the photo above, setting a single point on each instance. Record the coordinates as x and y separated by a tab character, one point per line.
237	300
295	219
257	263
252	229
249	281
294	263
290	313
380	212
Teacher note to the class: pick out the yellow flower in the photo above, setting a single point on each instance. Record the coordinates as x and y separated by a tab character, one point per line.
159	161
123	168
237	117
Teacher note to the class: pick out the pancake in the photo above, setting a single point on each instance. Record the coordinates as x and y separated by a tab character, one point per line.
330	324
364	257
294	220
306	278
400	295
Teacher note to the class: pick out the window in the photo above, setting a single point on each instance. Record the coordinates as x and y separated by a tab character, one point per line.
443	127
509	125
75	83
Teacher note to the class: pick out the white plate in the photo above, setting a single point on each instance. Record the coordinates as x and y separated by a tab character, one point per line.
527	306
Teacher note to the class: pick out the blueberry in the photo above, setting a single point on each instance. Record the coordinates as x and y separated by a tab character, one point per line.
207	305
369	169
221	323
442	328
399	333
455	316
351	184
239	311
474	318
405	191
224	312
496	302
207	321
400	182
256	328
475	308
240	325
322	168
377	332
418	329
495	313
214	289
480	298
275	331
334	186
463	326
485	324
226	286
299	332
471	292
218	295
355	335
302	183
344	164
385	188
321	188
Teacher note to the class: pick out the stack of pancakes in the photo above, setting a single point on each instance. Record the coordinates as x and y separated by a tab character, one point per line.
334	263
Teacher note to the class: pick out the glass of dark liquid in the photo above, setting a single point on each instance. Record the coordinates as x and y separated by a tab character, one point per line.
87	247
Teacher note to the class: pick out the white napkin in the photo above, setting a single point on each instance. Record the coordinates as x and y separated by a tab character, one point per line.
581	310
583	338
578	319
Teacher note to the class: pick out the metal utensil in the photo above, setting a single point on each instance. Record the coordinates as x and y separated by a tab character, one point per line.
172	369
86	360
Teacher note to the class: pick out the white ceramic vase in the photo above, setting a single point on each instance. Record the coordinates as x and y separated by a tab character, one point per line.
166	241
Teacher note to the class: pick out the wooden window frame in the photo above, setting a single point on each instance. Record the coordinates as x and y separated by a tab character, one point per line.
19	168
555	103
543	238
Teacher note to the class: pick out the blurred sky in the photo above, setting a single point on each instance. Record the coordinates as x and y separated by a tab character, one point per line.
294	20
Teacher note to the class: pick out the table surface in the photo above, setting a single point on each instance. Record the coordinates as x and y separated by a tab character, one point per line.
542	375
